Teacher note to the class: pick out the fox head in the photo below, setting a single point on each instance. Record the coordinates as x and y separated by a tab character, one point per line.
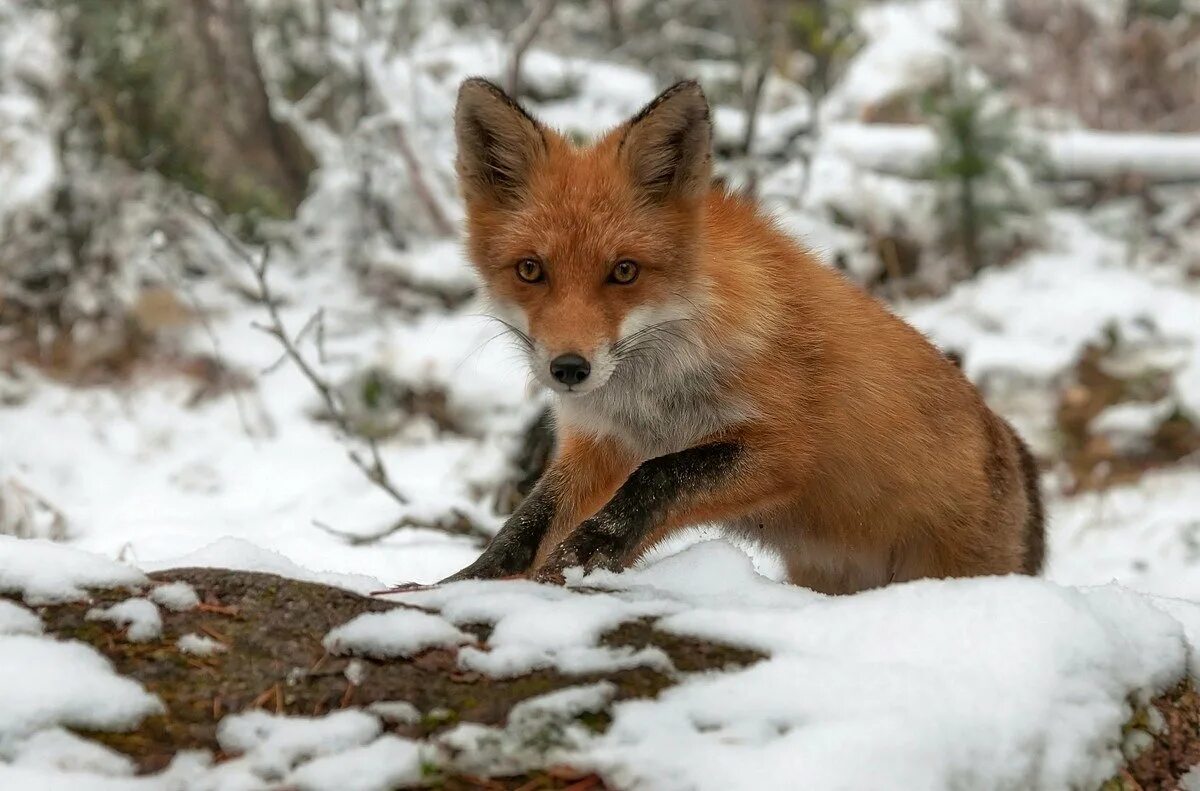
590	254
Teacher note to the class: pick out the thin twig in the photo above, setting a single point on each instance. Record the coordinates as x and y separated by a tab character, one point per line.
525	37
461	524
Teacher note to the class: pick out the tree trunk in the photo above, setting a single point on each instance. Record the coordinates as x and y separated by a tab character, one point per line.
175	85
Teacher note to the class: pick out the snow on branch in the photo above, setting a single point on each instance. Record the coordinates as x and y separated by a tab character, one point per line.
1083	155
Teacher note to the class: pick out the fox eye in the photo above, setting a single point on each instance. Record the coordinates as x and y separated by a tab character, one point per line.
530	270
625	272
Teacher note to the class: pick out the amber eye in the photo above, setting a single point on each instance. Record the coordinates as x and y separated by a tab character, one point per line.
625	272
530	270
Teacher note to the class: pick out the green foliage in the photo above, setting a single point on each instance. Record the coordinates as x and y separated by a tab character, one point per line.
130	83
824	30
981	168
1158	9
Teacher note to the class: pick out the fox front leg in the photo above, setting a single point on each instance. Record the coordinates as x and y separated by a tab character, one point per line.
705	482
511	551
586	470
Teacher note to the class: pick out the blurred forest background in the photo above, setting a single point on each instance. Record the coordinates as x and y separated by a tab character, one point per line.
229	255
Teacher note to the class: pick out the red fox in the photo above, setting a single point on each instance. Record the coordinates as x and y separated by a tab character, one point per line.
707	369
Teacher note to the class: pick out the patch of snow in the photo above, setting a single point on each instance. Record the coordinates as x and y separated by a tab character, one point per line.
1033	319
175	596
239	555
200	645
1145	536
907	50
910	151
540	731
388	762
539	626
398	711
355	672
1130	426
396	633
15	619
45	572
61	750
141	616
64	683
272	745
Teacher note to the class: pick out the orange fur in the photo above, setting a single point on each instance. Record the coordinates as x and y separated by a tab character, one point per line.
872	458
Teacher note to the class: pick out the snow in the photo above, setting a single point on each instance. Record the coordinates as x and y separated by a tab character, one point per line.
539	626
386	763
175	596
15	619
1146	536
399	711
907	50
139	615
898	673
199	645
64	683
1017	321
241	555
59	749
396	633
1076	154
44	572
1052	666
1129	426
271	745
539	731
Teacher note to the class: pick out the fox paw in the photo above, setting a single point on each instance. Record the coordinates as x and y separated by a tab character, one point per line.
581	549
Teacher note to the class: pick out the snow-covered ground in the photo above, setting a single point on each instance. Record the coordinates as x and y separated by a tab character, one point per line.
1001	683
1009	683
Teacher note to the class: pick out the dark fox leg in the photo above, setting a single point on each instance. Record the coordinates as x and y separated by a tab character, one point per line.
691	486
584	474
511	551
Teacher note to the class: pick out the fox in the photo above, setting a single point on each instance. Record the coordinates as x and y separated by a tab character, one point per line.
706	368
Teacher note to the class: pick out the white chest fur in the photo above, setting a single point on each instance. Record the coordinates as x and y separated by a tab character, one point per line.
655	408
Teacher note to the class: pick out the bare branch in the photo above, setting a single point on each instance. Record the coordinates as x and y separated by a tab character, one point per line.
458	524
373	468
525	37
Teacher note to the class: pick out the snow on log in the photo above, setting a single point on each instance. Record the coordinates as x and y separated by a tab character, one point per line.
908	151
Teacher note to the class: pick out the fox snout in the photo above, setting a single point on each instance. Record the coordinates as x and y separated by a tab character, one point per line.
570	369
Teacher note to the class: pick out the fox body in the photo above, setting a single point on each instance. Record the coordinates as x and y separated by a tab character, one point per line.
707	369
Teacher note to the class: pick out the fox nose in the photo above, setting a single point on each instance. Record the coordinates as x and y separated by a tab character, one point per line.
570	369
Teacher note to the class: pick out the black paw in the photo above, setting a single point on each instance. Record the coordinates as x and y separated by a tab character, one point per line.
588	548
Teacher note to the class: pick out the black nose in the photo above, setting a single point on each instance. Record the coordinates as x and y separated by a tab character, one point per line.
570	369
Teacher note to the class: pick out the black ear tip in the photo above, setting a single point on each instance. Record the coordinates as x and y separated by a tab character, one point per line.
478	85
687	87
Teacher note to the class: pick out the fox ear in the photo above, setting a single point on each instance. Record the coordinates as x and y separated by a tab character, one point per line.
668	145
498	142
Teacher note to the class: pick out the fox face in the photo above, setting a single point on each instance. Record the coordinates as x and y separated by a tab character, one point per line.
588	254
